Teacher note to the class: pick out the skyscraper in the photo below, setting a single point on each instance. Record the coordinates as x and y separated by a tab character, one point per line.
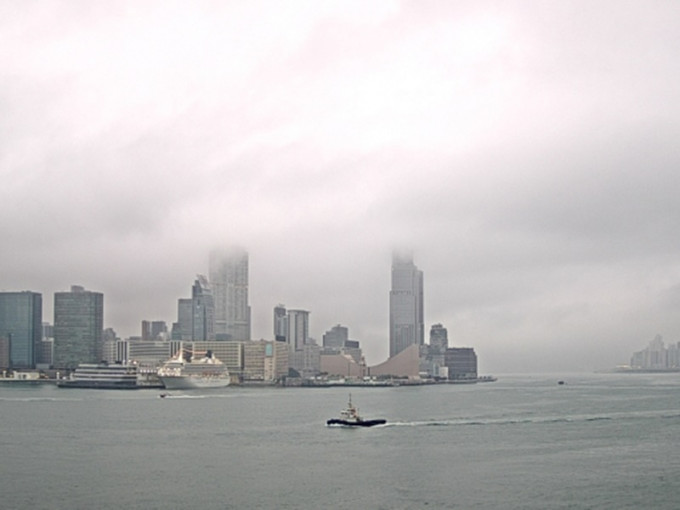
407	325
196	315
203	310
185	320
78	326
298	329
21	327
229	281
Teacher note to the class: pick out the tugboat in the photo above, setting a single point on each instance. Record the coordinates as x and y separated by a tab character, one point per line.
350	418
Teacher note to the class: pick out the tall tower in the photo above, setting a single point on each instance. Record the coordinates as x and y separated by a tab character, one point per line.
407	325
229	280
78	326
203	310
21	327
298	329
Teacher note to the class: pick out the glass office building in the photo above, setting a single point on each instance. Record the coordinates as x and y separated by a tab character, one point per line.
78	327
21	327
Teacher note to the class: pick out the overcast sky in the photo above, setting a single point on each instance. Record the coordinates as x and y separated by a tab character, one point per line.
527	152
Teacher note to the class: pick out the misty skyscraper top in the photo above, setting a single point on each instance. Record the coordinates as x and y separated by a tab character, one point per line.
229	281
407	325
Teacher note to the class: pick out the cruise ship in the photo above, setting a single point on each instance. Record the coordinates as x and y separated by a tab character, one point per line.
102	376
185	372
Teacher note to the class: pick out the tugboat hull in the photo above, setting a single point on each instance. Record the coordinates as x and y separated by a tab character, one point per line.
363	423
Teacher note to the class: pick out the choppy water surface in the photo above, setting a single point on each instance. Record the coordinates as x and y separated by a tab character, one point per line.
523	442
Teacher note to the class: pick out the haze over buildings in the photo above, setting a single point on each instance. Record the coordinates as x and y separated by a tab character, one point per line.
406	304
525	151
229	280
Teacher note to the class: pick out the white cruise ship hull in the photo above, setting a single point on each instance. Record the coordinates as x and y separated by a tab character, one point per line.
188	382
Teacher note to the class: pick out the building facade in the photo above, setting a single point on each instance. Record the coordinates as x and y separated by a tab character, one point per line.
298	329
439	339
461	363
183	329
280	323
78	327
202	311
21	328
336	338
229	280
265	361
407	325
154	330
657	356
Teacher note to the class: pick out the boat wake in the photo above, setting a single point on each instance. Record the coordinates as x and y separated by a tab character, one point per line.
537	420
39	399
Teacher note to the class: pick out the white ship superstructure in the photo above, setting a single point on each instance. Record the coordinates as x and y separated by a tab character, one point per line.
102	376
191	372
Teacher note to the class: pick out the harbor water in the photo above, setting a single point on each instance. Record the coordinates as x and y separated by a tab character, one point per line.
599	441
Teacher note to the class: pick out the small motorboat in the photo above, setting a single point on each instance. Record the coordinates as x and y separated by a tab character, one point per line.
350	418
163	395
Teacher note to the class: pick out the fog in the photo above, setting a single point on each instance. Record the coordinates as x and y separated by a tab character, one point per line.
525	151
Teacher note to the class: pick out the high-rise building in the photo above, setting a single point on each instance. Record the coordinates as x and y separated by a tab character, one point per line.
336	337
21	328
78	326
298	329
185	320
203	310
229	281
439	339
280	323
195	315
407	325
154	330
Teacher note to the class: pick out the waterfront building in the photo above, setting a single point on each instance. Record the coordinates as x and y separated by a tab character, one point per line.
336	341
78	325
352	349
405	364
406	305
21	327
228	272
341	365
264	361
45	354
4	354
307	360
280	323
461	363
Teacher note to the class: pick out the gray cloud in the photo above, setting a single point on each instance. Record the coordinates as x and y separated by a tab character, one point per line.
526	153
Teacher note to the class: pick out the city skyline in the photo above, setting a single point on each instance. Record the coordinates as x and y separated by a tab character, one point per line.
526	153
